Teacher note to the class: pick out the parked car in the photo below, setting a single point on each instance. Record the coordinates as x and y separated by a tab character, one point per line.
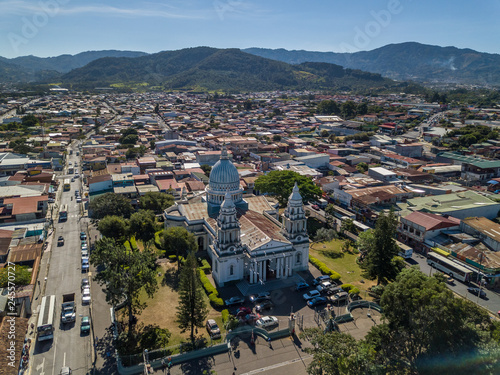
85	264
324	287
339	297
311	294
85	253
266	322
321	279
86	296
301	286
264	305
85	284
260	297
83	236
78	200
317	301
213	329
242	311
60	241
85	325
315	206
477	292
234	301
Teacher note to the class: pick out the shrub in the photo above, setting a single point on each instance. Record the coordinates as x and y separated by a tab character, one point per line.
347	287
133	242
225	315
206	266
335	276
207	285
158	239
172	258
215	300
355	291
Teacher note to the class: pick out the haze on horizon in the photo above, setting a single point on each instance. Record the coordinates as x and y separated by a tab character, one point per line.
53	27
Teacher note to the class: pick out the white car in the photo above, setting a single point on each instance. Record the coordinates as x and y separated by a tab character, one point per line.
311	294
86	296
267	321
85	253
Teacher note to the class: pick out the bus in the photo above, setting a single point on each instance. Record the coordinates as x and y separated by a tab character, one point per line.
405	251
66	184
46	318
340	213
63	214
449	267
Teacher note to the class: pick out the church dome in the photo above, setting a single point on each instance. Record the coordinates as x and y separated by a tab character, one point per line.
224	175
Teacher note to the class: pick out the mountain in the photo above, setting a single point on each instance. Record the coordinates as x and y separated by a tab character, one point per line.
205	68
406	61
32	68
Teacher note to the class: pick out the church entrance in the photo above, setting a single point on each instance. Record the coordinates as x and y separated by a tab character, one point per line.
270	272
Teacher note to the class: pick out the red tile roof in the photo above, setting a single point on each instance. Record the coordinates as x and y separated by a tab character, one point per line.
432	221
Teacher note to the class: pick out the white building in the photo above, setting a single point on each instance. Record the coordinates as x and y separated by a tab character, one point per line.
243	235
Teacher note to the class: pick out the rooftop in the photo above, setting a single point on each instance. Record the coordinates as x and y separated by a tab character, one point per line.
475	161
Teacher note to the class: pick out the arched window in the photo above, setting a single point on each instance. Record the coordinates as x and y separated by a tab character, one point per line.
231	270
298	258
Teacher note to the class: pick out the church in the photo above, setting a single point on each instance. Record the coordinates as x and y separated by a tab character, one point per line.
243	234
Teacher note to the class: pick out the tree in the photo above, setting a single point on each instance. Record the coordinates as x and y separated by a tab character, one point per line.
22	276
280	185
178	240
336	353
362	167
29	120
425	326
324	235
192	309
348	109
156	201
276	138
348	225
125	274
324	133
143	225
113	227
378	259
206	169
110	204
328	107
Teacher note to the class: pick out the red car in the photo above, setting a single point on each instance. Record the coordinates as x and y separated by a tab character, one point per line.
315	206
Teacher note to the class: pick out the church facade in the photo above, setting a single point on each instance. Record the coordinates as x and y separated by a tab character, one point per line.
243	235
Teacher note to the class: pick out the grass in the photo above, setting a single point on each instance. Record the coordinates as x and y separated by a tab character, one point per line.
344	263
161	309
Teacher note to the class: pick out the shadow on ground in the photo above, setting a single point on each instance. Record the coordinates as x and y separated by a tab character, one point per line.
104	350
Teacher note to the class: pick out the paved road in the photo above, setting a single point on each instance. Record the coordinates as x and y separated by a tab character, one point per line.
64	276
491	302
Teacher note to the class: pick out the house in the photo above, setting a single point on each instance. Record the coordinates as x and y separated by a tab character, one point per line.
473	168
486	230
100	184
418	227
24	209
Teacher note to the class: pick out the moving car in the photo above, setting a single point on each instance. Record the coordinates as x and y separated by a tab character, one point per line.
266	322
477	292
311	294
317	301
60	241
264	305
315	206
65	371
85	325
213	329
234	301
260	297
301	286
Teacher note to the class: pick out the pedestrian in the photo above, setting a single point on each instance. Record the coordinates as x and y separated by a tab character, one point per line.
269	341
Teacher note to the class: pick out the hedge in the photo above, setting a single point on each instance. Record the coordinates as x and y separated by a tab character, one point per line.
355	291
158	239
225	315
347	287
335	276
206	266
212	292
215	300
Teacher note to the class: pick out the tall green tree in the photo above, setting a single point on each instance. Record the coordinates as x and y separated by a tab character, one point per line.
143	225
156	201
21	274
280	184
124	274
427	330
378	261
114	227
110	204
178	240
192	309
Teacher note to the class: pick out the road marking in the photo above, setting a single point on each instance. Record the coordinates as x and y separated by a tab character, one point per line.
54	361
64	360
260	370
40	366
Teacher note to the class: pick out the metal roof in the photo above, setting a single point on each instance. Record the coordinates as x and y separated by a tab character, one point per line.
472	160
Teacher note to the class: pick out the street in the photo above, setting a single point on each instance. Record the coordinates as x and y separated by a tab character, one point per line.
68	348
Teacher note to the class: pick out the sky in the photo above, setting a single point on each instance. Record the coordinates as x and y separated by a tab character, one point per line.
47	28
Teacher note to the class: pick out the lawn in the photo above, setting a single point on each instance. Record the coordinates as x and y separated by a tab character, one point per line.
344	263
161	309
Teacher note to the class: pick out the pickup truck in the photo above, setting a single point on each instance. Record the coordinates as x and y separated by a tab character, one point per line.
68	308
